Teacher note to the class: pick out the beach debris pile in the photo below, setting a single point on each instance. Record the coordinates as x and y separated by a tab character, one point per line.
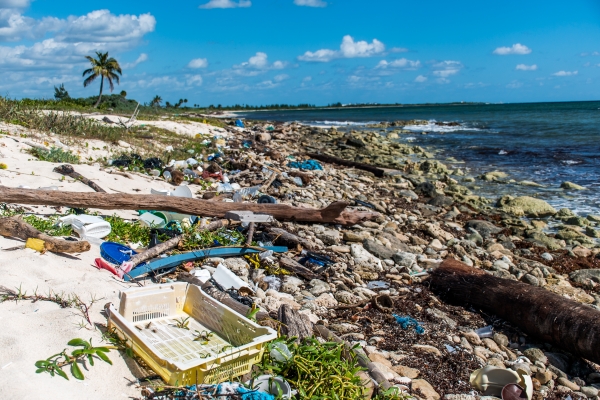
339	238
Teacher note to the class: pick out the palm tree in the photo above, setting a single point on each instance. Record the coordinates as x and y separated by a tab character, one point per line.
156	101
103	67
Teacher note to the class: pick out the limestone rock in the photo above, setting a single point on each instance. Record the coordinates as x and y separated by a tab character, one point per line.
485	228
409	372
583	275
571	186
424	348
525	206
378	250
238	266
424	389
535	354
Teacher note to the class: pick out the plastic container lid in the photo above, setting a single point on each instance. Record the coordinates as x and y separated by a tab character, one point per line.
115	253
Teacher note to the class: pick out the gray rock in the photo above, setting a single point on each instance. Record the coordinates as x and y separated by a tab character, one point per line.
525	206
547	256
441	316
582	275
405	259
378	250
559	361
571	186
441	201
530	280
501	339
485	228
238	266
408	194
535	354
330	237
426	189
589	391
319	287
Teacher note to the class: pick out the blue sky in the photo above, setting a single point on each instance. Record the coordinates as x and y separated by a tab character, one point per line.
308	51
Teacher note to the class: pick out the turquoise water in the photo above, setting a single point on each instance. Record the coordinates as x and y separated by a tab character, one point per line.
547	143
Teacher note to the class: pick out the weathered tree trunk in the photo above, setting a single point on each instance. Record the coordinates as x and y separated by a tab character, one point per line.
174	242
297	268
16	227
378	172
551	318
100	95
294	323
281	234
68	170
334	213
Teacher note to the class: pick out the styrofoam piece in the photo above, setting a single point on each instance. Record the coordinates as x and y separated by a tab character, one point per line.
160	192
274	385
203	275
147	318
98	230
83	218
153	221
227	279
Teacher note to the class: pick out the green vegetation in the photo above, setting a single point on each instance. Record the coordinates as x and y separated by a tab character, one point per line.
54	364
104	67
49	225
55	155
316	370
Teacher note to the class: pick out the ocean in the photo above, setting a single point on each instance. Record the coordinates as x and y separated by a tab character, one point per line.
547	143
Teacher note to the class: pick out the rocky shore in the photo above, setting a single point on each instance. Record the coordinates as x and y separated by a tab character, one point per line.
426	216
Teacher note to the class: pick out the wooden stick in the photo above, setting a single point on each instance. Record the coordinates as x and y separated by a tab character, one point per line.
549	317
16	227
68	170
297	268
174	242
250	235
334	213
378	172
288	237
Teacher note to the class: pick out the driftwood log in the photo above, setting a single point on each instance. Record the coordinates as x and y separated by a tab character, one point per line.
68	170
282	234
293	323
16	227
378	172
174	242
334	213
551	318
297	268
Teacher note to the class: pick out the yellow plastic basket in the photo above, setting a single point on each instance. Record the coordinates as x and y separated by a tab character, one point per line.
148	317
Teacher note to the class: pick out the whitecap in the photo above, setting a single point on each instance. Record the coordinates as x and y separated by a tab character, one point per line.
431	126
503	152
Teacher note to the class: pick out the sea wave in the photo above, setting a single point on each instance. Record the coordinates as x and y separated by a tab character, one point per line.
327	124
435	126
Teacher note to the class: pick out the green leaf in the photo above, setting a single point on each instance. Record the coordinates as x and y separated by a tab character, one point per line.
41	363
78	342
102	349
90	360
76	371
77	353
104	357
62	373
40	370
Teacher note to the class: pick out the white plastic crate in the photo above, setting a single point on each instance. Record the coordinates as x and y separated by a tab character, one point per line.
147	318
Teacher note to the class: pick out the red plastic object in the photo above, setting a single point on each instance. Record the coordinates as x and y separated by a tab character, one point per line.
101	264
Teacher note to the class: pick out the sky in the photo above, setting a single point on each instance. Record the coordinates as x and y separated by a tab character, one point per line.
307	51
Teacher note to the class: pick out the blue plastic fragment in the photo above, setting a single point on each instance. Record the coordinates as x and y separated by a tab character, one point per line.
406	322
163	264
239	123
309	165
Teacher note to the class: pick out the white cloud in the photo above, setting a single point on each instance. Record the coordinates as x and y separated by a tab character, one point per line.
14	3
523	67
142	58
420	78
445	69
401	63
258	64
171	82
398	50
226	4
281	77
595	53
565	73
348	49
14	26
198	63
517	48
194	80
75	37
514	85
310	3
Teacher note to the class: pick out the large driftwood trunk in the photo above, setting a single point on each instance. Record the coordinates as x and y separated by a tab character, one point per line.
293	323
347	163
567	324
16	227
334	213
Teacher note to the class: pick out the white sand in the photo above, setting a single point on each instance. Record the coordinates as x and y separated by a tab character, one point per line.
34	331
